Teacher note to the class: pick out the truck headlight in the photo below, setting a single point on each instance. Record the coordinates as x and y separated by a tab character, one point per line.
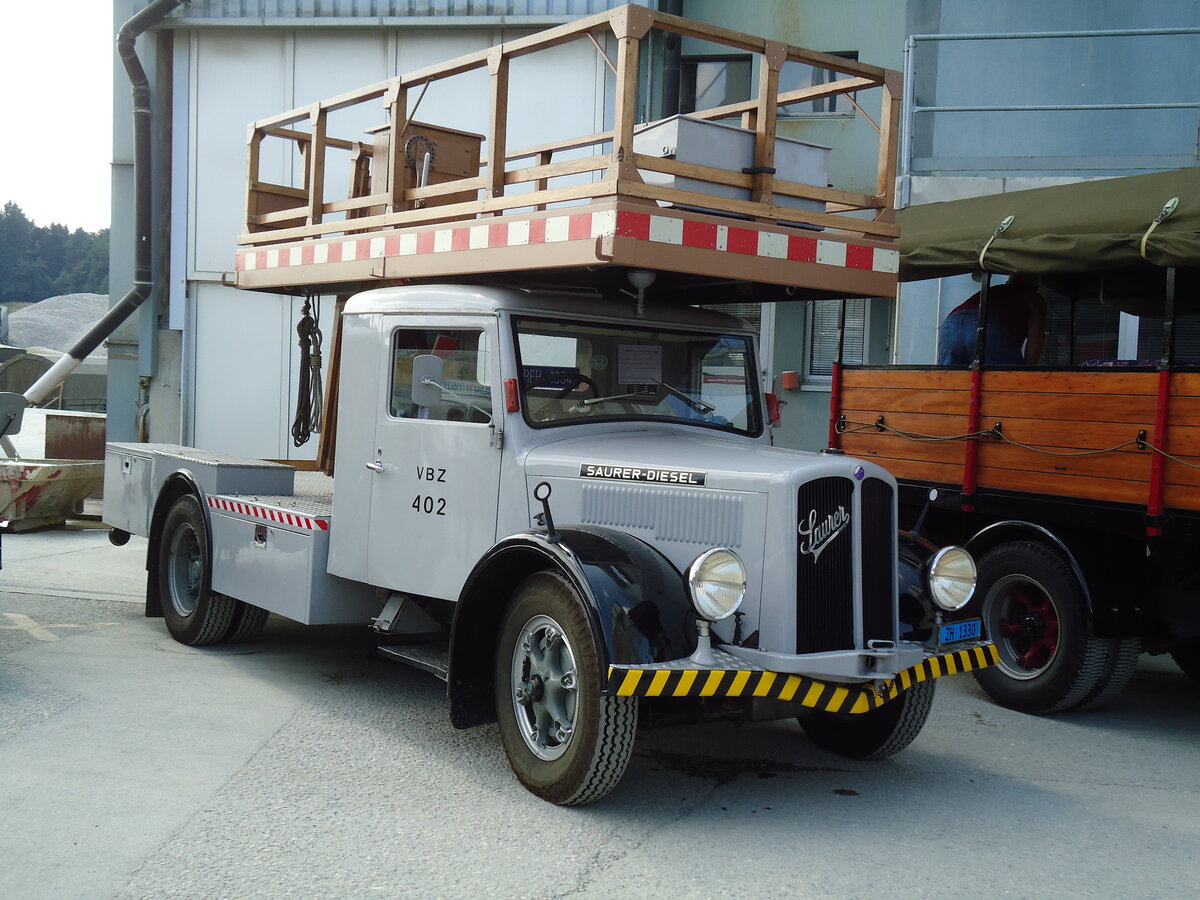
717	580
952	578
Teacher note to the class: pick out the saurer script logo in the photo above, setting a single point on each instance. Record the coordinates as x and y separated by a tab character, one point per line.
818	534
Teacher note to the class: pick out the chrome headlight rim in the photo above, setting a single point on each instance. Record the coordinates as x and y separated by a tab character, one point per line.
951	592
706	605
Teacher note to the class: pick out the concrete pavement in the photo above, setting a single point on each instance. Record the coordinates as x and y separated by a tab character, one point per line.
131	766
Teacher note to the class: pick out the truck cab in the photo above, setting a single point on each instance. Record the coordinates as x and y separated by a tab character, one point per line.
571	516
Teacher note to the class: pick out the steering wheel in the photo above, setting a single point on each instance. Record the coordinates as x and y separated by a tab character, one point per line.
577	378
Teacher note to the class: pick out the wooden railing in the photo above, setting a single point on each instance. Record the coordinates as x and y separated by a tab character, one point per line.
381	184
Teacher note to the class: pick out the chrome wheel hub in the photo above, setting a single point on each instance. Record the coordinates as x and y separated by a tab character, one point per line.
545	687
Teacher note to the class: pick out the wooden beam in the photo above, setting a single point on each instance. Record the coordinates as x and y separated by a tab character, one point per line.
816	92
889	141
316	165
764	121
756	210
625	111
850	199
396	170
497	141
415	217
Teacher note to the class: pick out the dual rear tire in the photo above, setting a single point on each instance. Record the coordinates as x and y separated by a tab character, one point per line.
1035	611
196	615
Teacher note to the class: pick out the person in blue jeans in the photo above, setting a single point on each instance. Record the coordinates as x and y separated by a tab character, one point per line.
1016	327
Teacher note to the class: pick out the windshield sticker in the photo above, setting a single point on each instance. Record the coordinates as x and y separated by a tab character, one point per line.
550	376
639	363
630	473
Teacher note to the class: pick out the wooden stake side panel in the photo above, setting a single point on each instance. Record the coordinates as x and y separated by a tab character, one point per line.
1056	415
473	180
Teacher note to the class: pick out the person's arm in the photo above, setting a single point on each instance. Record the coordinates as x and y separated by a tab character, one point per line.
1035	334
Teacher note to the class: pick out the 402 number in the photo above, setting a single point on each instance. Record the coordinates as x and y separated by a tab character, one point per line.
431	506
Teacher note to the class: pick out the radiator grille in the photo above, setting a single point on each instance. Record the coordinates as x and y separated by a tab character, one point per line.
825	566
878	561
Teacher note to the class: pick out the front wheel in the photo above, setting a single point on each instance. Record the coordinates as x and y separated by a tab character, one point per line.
565	740
877	734
193	613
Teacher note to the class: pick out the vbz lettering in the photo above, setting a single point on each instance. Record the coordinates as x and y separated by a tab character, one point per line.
428	473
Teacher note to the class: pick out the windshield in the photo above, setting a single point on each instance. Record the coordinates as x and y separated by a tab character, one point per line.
573	372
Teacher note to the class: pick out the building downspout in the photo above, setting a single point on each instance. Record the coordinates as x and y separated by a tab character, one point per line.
146	19
672	61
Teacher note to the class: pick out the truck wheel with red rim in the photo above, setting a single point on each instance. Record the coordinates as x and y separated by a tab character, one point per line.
877	734
193	613
1034	610
566	741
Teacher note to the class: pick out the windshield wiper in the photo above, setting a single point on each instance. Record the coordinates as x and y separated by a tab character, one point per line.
705	409
592	401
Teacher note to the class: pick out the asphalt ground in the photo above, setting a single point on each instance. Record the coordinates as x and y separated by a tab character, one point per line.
302	765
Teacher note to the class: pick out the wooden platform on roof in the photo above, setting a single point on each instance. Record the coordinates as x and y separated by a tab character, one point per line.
482	209
1055	414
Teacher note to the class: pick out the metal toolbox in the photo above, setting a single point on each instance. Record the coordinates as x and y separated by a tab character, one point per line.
134	474
728	147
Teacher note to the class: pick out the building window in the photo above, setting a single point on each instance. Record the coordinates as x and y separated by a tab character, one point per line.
711	81
823	337
796	76
708	82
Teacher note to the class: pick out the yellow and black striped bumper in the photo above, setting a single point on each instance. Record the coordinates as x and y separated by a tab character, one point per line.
683	679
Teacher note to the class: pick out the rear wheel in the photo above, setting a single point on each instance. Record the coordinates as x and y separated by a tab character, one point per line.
1034	610
566	741
877	734
248	622
193	613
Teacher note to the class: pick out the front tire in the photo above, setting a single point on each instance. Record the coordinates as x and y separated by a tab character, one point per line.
566	741
877	734
194	614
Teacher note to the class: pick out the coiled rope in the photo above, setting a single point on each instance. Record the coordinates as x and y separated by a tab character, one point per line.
309	393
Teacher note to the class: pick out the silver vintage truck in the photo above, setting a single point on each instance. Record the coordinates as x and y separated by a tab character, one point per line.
572	513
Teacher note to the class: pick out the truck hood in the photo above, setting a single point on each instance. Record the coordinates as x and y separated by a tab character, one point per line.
687	460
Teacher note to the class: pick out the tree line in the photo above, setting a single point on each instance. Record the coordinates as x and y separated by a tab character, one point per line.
37	262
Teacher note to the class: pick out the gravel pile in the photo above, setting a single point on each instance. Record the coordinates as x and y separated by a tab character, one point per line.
56	322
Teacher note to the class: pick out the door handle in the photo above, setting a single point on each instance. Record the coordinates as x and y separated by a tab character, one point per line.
375	466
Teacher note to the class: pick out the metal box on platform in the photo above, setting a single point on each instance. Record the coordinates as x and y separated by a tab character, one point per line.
723	146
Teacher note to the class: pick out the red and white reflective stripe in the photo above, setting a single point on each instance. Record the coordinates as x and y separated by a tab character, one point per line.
798	246
271	515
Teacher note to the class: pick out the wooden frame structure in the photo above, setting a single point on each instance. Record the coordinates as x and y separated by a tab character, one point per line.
390	228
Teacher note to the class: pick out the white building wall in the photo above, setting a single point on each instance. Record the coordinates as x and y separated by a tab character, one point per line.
240	349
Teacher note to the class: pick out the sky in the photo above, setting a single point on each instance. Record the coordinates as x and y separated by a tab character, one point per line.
56	81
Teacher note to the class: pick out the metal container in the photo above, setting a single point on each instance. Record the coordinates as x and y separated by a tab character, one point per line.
728	147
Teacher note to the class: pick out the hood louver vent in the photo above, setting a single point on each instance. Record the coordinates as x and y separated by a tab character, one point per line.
706	518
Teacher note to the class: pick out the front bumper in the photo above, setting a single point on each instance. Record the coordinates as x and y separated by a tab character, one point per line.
731	677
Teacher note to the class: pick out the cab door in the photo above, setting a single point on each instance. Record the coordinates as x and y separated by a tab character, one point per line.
435	468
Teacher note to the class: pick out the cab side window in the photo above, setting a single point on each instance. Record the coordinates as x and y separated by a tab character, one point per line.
465	367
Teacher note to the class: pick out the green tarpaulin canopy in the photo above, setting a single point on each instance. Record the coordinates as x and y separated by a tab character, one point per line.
1073	233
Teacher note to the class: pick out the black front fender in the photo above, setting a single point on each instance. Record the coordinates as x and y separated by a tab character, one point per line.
636	602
